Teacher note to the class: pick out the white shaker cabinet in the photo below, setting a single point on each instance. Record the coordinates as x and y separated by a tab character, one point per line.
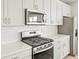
66	10
53	20
57	49
12	12
38	5
53	9
61	47
47	11
28	4
50	10
33	5
57	53
59	13
66	46
69	11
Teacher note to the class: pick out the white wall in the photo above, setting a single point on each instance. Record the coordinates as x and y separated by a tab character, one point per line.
74	8
10	34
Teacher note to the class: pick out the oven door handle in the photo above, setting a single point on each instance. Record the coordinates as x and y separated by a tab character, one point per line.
34	52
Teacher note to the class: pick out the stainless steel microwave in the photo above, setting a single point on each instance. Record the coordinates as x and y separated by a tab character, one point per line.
33	17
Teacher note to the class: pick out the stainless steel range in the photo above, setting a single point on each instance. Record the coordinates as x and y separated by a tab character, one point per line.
42	47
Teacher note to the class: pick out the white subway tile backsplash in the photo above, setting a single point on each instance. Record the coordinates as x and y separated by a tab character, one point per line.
10	34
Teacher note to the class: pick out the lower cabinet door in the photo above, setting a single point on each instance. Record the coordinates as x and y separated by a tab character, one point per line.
57	53
66	45
67	51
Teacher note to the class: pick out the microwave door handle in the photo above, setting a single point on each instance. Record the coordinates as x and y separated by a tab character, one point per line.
43	18
25	11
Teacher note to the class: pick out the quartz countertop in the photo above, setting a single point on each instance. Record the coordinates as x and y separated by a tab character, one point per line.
10	48
56	36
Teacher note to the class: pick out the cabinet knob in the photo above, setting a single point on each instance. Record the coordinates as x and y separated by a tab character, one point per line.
5	20
9	20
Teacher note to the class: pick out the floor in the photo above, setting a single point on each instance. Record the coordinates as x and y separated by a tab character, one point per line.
70	57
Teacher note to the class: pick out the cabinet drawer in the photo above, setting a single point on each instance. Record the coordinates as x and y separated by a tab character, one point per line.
19	55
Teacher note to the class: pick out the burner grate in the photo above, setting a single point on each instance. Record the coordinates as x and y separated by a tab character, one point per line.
36	41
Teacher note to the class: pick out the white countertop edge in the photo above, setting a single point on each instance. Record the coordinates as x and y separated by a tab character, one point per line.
13	52
56	36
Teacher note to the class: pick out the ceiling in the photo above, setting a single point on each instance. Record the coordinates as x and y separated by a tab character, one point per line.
69	1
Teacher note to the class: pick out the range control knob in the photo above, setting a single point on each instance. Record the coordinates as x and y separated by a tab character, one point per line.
48	44
51	44
45	46
38	48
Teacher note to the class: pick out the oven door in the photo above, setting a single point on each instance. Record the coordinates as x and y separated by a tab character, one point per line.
48	54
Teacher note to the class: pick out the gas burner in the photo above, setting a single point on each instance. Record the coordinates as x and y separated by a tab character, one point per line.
37	41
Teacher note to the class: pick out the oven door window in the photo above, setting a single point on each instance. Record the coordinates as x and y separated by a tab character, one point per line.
48	54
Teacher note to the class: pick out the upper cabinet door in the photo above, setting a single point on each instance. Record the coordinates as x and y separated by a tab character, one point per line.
15	10
4	12
53	9
28	4
69	11
47	11
59	14
12	14
38	5
53	20
66	10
